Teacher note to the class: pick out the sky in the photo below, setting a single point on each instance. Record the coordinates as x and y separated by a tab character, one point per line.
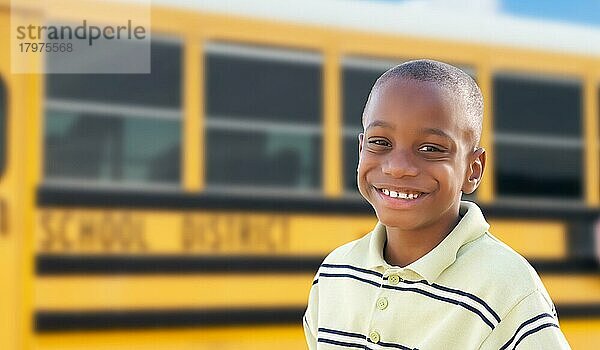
584	12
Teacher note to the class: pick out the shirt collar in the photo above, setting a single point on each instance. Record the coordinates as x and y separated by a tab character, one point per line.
471	226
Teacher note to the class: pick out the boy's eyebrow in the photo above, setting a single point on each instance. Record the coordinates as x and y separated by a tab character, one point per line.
436	131
380	123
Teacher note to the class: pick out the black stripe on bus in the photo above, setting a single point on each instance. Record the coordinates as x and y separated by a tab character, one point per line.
53	321
584	311
176	264
56	321
50	196
570	266
64	264
115	198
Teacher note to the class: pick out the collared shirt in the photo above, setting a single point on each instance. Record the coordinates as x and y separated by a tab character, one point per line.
469	292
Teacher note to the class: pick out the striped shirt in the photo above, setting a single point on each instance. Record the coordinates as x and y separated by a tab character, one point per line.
469	292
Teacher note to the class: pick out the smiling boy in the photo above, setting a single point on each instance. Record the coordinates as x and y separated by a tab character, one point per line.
430	275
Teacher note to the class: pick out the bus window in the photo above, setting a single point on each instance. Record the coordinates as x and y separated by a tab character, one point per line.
3	113
116	128
538	141
263	119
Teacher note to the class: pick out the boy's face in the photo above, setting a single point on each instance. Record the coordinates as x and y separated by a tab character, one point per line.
416	155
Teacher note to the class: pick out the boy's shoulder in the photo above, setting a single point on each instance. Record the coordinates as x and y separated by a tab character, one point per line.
491	262
497	259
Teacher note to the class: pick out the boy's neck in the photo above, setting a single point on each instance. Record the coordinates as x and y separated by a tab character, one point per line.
405	247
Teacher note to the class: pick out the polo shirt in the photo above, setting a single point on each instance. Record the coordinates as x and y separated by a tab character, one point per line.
469	292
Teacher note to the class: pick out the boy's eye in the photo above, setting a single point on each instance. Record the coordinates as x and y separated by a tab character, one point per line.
379	142
430	149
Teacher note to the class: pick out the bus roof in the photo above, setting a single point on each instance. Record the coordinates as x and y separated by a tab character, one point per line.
451	20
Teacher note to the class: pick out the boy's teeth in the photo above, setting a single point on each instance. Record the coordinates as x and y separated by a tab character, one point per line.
402	195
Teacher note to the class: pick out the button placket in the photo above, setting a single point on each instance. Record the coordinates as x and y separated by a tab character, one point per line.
393	276
374	337
394	279
382	303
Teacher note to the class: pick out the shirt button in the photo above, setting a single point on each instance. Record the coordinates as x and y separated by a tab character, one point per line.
382	303
374	337
394	279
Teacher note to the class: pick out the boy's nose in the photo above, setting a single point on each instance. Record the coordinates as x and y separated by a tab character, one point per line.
399	164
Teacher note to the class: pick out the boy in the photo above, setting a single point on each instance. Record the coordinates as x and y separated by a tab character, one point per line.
430	275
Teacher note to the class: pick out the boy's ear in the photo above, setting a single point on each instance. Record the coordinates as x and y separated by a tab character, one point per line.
361	136
474	171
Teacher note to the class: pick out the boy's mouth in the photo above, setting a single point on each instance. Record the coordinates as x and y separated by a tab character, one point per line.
402	194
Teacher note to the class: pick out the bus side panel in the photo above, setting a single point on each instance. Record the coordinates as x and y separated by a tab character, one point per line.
9	266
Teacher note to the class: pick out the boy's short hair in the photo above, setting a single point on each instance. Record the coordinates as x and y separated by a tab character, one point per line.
457	82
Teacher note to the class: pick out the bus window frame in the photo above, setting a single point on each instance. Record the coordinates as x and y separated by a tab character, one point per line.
125	111
3	124
216	121
541	140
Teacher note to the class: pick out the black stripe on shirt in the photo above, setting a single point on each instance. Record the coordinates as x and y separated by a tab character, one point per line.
345	344
341	266
545	325
364	337
459	292
434	285
315	281
392	345
344	333
448	300
531	320
468	295
324	274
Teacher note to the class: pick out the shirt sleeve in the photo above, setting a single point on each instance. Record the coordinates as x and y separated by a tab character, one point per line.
530	325
309	321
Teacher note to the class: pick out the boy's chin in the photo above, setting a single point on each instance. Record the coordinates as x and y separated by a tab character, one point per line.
402	222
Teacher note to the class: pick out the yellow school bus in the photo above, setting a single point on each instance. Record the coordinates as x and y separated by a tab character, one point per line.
189	208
